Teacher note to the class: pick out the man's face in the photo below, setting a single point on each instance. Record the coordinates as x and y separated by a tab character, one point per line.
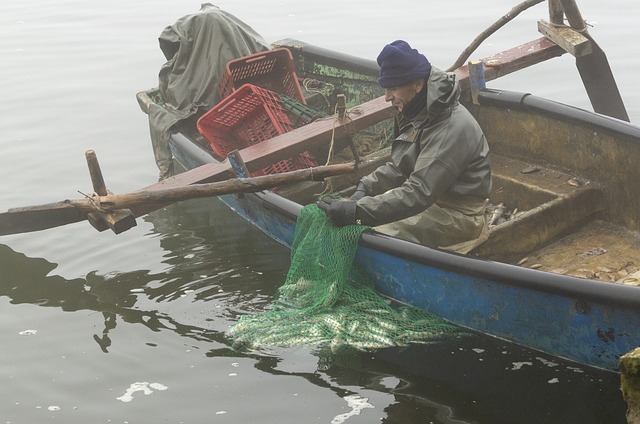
403	94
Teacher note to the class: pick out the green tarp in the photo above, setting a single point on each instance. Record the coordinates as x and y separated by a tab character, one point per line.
197	48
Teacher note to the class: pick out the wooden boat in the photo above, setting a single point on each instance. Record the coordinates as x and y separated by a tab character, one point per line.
561	276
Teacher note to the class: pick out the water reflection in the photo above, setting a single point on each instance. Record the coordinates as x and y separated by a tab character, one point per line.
27	280
484	376
202	264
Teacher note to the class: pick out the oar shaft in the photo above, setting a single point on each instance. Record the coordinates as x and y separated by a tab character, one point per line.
239	185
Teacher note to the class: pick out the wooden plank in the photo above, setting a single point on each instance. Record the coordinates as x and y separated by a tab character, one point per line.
258	156
512	60
119	220
206	173
600	84
568	38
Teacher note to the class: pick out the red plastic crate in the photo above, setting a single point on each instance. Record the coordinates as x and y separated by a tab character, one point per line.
249	116
246	117
273	70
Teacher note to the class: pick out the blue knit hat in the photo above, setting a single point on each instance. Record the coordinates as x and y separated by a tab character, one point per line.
400	64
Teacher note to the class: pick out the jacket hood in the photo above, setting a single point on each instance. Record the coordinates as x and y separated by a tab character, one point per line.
443	91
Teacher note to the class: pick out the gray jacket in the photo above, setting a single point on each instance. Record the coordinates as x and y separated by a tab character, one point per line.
440	154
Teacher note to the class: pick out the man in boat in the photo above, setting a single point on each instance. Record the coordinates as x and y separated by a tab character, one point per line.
435	188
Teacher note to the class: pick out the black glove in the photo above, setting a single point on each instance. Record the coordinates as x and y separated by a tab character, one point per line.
341	212
361	192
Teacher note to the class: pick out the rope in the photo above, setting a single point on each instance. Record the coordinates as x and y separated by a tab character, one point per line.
357	110
94	199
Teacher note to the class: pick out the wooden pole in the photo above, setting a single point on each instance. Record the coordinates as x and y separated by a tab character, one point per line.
118	221
556	14
573	15
238	185
493	28
96	174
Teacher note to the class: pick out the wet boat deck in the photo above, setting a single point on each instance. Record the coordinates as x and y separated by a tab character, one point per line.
562	230
599	250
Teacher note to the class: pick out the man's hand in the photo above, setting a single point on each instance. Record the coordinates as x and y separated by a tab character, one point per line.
341	212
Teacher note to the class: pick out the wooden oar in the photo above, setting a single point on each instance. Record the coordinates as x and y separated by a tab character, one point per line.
40	217
595	71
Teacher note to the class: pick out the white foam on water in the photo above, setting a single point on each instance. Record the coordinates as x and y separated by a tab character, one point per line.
28	332
519	365
144	387
357	404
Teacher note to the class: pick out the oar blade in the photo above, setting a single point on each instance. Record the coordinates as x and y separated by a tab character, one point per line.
25	220
600	84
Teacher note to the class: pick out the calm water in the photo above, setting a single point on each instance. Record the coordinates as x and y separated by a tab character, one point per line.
98	328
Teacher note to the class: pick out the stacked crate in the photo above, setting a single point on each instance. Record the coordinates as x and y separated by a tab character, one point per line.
252	110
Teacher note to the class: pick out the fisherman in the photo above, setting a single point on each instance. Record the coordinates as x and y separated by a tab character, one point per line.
435	188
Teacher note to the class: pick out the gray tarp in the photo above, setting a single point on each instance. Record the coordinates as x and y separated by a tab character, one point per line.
197	48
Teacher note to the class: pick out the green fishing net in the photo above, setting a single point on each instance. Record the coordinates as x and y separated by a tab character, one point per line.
327	300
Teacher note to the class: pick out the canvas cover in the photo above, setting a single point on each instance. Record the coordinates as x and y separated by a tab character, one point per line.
197	48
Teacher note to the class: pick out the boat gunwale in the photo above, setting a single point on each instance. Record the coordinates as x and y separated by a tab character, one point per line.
531	103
